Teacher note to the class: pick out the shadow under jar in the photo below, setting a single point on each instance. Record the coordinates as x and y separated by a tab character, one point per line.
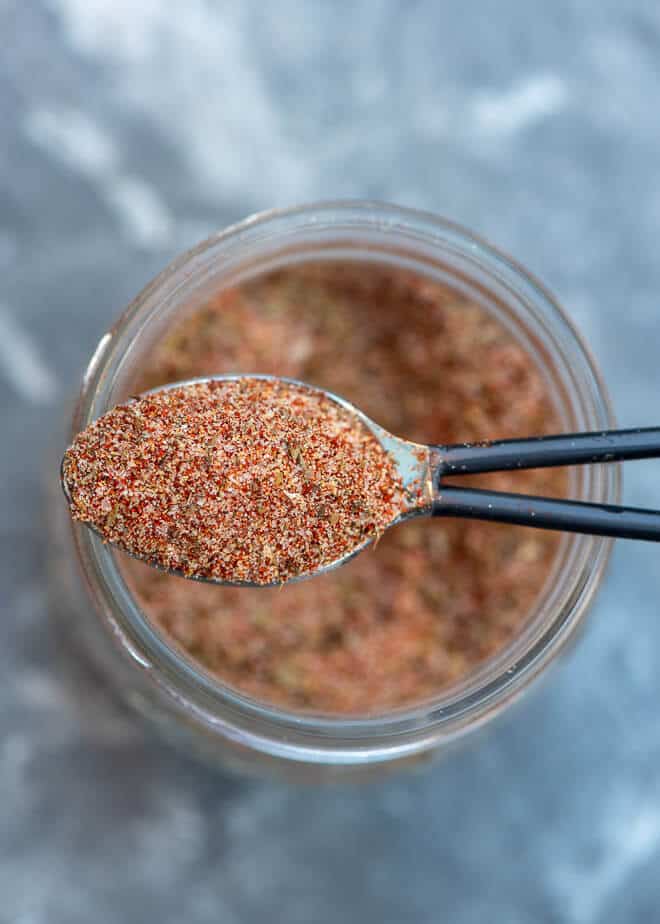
439	338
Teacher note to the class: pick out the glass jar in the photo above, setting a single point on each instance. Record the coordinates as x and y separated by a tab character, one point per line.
178	696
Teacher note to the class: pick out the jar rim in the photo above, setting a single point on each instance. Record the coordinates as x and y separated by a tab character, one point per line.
305	735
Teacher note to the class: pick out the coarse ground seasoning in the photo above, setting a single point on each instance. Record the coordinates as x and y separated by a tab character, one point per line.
436	597
250	481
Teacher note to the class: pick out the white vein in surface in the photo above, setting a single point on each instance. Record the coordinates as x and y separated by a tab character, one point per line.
199	77
74	139
511	111
629	837
22	363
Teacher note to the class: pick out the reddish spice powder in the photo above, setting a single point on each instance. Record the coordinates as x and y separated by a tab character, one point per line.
243	481
437	597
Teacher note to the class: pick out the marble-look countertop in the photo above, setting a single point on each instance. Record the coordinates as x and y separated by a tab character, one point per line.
128	130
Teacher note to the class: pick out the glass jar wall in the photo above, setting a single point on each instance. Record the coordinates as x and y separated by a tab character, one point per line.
168	686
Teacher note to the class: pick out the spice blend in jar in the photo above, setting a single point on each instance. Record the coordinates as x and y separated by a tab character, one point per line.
435	598
246	481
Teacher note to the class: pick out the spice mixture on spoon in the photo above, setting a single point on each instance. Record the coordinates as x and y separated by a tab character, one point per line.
246	481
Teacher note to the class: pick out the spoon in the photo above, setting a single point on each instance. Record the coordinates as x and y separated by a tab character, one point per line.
423	468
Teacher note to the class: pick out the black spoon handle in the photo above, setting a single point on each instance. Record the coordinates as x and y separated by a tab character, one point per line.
547	513
545	451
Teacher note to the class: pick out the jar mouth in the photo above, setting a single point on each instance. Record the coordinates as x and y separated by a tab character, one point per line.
359	230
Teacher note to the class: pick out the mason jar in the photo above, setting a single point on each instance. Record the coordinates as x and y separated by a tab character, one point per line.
169	688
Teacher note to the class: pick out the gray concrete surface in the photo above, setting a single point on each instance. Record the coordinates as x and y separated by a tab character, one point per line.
129	129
